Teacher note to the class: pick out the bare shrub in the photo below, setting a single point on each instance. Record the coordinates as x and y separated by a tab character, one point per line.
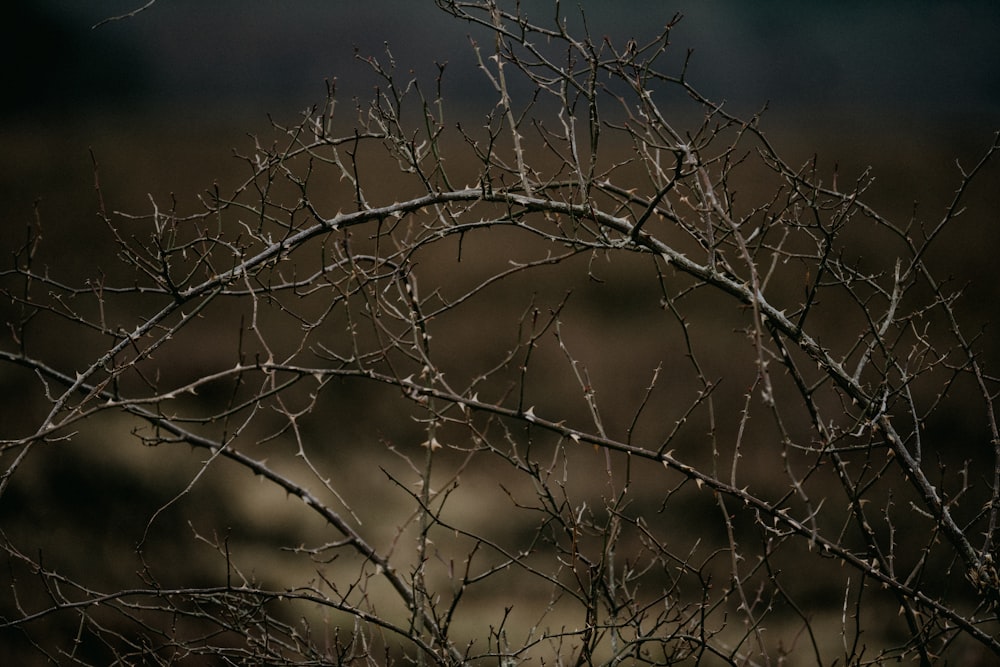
599	379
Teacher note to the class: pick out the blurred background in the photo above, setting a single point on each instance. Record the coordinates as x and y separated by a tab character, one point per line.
162	98
916	61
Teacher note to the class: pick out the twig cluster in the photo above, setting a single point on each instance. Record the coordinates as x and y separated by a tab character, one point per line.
598	380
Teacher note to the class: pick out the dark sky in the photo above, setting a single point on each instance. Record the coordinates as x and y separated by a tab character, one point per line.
914	59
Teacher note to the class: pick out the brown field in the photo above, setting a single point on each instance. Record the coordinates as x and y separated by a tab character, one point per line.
83	504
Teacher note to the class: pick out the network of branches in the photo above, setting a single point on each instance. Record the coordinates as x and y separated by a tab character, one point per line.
592	377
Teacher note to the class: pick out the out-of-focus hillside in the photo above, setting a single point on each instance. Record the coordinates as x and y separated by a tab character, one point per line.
162	97
914	60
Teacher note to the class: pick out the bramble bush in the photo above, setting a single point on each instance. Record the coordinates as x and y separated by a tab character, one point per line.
595	378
